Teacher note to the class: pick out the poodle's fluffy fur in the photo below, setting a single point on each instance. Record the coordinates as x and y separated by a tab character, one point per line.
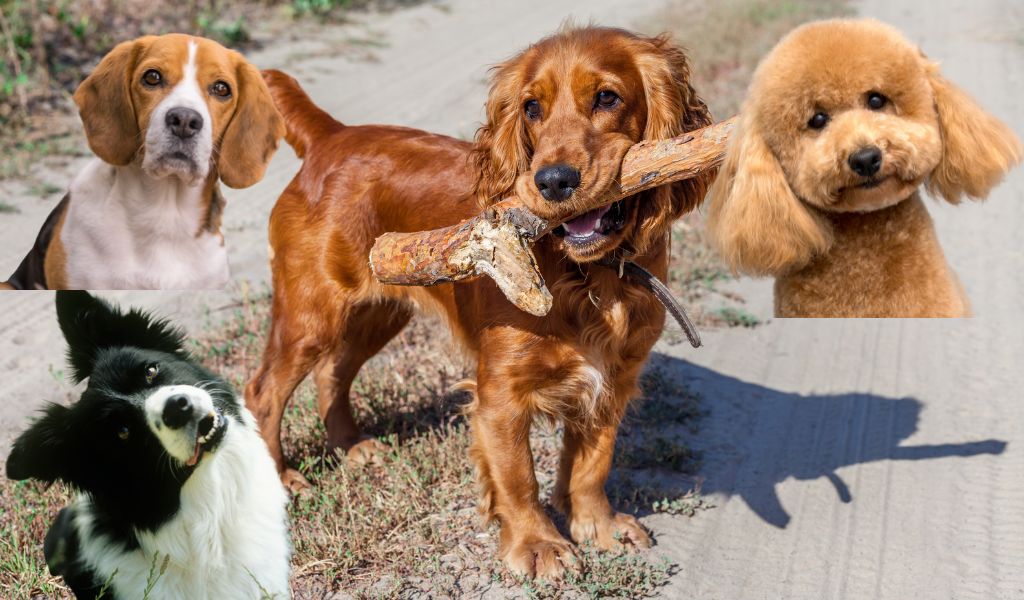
788	201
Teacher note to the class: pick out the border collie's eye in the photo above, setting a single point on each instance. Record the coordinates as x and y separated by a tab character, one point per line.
151	372
220	89
876	101
152	78
818	121
606	99
124	433
532	109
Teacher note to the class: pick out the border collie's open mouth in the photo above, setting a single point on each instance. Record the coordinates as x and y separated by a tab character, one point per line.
594	226
208	434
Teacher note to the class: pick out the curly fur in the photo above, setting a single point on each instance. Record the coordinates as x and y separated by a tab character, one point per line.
789	204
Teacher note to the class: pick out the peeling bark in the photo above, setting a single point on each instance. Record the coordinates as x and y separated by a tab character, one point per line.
497	242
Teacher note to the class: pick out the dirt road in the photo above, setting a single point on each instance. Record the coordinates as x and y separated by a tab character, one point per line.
877	459
854	459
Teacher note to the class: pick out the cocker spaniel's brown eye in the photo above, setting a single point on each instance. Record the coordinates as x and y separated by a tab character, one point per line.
876	101
818	121
151	372
220	89
532	109
606	99
152	78
123	432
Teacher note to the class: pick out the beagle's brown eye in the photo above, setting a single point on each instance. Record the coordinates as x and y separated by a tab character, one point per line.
152	78
123	432
532	109
606	99
876	101
818	121
220	89
151	372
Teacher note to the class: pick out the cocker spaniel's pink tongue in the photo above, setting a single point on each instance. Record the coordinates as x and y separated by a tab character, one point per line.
586	223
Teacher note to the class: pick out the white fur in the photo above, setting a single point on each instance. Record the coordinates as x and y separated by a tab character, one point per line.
179	443
229	533
140	227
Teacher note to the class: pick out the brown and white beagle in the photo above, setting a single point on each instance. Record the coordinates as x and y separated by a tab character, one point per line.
167	117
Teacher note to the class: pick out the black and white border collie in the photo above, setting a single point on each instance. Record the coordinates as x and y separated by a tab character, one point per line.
169	467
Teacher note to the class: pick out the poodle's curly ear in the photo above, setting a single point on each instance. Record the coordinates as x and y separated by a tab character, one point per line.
502	149
756	222
977	148
673	108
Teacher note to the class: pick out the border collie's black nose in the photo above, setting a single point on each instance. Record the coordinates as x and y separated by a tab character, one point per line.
184	122
177	411
557	182
866	161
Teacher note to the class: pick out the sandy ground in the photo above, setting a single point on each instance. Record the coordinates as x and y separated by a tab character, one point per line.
854	459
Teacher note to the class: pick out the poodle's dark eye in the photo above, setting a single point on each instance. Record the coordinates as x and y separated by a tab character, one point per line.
876	101
123	432
606	99
818	121
221	89
151	372
532	109
152	78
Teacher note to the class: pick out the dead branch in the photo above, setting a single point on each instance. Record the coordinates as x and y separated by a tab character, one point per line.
497	242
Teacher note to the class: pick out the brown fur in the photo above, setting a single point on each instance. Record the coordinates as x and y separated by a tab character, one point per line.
787	203
115	107
579	364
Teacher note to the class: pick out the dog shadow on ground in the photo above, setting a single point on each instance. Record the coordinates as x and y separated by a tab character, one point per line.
753	437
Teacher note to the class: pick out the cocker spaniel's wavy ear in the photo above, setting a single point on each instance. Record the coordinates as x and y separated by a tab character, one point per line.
977	148
502	148
756	222
673	108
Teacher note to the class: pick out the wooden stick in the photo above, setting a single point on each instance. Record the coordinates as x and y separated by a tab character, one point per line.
497	242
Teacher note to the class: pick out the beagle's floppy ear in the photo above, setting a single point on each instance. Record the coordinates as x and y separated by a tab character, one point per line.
502	149
252	135
104	102
756	222
977	148
673	107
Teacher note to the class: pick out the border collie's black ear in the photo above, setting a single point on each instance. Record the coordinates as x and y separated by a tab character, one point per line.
90	325
39	453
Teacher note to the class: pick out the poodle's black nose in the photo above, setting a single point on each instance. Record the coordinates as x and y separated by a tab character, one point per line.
177	411
866	161
557	182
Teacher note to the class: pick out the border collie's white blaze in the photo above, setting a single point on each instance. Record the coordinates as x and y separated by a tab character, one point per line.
168	462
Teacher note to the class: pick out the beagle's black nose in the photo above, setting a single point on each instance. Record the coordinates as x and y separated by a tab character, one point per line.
177	411
866	161
184	122
557	182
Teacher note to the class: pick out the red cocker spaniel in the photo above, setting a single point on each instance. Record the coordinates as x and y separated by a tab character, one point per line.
560	117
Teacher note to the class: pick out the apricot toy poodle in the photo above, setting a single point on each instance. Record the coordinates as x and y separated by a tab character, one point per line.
843	123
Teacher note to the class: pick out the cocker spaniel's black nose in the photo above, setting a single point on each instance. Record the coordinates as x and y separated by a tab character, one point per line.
866	161
557	182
